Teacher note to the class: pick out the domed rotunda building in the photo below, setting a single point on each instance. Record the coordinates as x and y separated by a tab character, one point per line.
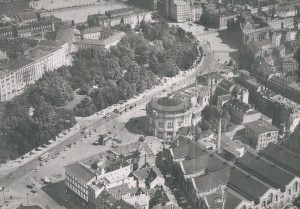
167	114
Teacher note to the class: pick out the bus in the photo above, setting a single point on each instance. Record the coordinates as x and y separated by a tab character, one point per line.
44	156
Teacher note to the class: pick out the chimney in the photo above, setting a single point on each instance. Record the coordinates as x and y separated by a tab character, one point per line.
219	135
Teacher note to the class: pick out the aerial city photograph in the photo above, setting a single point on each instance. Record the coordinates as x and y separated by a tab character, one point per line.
149	104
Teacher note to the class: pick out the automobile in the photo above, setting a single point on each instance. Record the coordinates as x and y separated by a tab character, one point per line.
1	188
115	110
96	143
114	146
107	116
64	133
29	186
164	90
34	192
206	29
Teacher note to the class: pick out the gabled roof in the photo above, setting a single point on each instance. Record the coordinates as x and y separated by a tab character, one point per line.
282	157
231	201
292	143
247	185
187	151
207	162
265	170
211	180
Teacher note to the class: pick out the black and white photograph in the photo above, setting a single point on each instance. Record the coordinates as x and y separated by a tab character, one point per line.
149	104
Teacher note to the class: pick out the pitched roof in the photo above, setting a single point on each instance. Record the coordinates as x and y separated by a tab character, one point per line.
265	170
282	157
231	201
27	15
180	141
80	172
261	126
246	184
211	180
207	162
292	143
188	151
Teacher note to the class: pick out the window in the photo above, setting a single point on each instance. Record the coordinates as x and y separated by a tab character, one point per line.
170	125
161	124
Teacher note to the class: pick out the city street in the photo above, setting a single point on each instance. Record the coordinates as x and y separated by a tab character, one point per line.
30	171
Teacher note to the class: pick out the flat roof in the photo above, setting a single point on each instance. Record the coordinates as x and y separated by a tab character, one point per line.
261	126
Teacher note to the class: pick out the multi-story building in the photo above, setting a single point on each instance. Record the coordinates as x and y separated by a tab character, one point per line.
210	79
196	12
285	65
217	17
268	180
80	176
166	115
27	16
16	75
7	31
58	4
179	10
131	16
241	112
246	30
261	133
276	23
106	43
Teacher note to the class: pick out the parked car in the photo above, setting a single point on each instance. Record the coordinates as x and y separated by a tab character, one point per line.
107	116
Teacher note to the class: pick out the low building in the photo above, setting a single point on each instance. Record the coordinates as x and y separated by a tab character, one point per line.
279	51
261	133
104	139
166	115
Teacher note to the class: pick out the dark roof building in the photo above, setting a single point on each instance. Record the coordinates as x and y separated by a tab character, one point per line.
29	207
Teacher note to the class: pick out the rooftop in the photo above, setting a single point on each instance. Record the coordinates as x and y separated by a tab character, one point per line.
169	105
286	102
261	126
27	15
208	163
94	30
188	151
283	157
80	171
240	106
211	180
265	170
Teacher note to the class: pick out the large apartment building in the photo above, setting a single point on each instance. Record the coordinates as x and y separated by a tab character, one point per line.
17	74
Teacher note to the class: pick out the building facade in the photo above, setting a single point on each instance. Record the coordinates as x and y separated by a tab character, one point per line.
166	115
261	133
